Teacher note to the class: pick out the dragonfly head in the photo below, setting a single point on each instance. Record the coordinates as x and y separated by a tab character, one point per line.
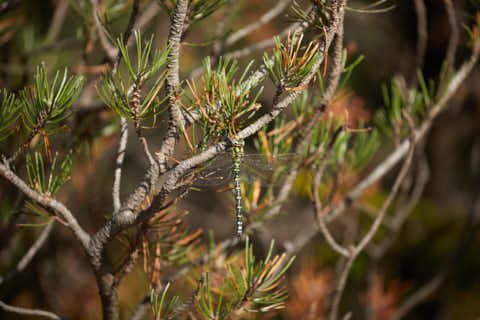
237	142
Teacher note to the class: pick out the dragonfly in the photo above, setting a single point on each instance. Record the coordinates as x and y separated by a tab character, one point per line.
234	164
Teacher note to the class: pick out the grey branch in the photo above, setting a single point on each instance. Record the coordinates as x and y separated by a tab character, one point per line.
119	162
176	119
48	202
267	17
29	312
109	49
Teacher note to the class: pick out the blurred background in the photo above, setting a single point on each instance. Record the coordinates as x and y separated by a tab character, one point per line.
439	240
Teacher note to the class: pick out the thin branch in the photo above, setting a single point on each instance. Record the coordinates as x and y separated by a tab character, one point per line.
29	312
109	49
240	53
452	44
454	34
342	282
403	173
128	30
420	295
27	258
119	162
402	214
320	218
218	47
147	16
149	155
355	251
48	202
57	20
422	36
130	262
267	17
397	221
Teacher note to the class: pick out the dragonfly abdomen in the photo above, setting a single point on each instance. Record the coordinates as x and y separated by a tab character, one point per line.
237	157
238	202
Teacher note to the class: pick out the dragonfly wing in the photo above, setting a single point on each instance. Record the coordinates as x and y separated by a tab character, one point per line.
258	167
215	173
218	172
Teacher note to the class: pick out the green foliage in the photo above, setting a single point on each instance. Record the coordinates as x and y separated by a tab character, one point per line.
365	145
200	9
276	141
162	307
223	103
40	212
415	101
247	288
347	69
8	113
46	106
122	95
168	239
37	173
292	62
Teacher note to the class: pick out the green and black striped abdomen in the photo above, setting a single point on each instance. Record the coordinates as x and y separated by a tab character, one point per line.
237	157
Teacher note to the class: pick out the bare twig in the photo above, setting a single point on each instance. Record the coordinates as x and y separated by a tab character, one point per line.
355	251
219	45
57	20
29	312
422	35
452	45
419	296
126	35
320	218
401	214
263	44
342	282
30	253
148	14
267	17
454	34
107	46
119	162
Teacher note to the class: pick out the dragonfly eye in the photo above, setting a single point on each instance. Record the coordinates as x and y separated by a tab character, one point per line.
237	142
